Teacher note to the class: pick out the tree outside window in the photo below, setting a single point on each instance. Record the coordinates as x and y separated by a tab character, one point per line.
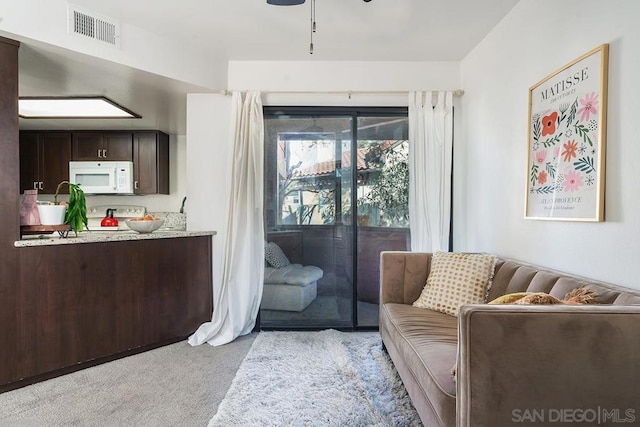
384	193
309	177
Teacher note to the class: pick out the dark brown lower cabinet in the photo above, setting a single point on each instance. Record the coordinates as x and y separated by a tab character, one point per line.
80	303
9	199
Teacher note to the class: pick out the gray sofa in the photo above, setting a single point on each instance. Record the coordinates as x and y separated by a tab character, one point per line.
516	364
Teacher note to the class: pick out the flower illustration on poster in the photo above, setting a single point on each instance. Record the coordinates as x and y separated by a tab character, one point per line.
566	141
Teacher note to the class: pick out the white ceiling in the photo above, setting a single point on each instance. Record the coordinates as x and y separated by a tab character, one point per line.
354	30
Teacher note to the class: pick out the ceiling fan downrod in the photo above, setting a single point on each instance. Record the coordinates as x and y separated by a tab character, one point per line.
313	25
313	14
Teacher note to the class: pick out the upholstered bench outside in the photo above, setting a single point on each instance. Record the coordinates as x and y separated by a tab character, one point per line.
290	288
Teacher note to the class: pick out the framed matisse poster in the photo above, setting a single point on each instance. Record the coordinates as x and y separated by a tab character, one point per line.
567	132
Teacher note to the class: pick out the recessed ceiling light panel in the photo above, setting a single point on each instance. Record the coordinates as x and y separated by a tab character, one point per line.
72	108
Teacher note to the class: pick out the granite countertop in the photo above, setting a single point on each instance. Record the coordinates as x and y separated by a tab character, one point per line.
105	236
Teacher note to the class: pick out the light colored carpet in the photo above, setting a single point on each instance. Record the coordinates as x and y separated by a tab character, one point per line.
176	385
326	378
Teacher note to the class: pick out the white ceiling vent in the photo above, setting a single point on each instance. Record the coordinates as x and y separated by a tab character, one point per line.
88	24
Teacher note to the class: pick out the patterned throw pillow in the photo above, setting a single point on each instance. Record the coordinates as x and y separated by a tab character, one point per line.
456	279
274	256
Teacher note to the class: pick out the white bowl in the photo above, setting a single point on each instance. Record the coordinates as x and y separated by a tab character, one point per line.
147	226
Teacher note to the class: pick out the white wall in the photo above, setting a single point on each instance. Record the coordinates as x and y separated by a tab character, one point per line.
342	75
284	82
533	40
208	152
208	157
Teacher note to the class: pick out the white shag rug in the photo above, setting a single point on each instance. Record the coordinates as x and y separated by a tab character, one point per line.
326	378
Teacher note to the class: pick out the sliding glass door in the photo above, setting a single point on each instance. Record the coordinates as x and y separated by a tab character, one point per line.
335	196
382	204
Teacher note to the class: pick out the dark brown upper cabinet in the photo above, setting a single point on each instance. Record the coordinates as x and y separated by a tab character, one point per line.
96	146
44	161
45	156
151	162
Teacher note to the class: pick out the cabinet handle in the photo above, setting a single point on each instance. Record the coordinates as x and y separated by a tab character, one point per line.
35	185
99	154
40	186
135	185
104	154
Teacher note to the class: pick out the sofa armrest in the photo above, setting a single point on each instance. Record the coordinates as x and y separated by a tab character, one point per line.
547	364
402	276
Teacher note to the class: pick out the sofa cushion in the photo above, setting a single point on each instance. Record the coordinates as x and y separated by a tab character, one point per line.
293	274
627	299
456	279
423	344
603	295
285	297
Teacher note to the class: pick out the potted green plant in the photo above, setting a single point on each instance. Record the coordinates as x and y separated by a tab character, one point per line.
75	213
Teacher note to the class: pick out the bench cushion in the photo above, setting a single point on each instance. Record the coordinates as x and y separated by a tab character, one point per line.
293	274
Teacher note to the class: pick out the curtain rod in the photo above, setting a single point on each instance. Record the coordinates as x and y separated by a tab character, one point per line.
226	92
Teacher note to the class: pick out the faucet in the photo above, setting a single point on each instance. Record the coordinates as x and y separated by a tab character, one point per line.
182	207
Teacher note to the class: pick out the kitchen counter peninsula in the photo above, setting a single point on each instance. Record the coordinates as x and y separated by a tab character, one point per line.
105	236
80	301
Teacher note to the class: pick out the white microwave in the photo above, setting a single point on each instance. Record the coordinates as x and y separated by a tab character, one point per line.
102	177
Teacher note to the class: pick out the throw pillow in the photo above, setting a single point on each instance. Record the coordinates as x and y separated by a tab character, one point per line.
456	279
538	298
580	295
509	298
274	256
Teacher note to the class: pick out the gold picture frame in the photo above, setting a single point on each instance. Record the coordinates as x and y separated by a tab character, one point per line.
567	141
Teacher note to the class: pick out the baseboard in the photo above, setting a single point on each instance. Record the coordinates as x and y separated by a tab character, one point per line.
83	365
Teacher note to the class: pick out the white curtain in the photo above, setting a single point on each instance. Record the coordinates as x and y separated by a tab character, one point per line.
430	158
237	287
